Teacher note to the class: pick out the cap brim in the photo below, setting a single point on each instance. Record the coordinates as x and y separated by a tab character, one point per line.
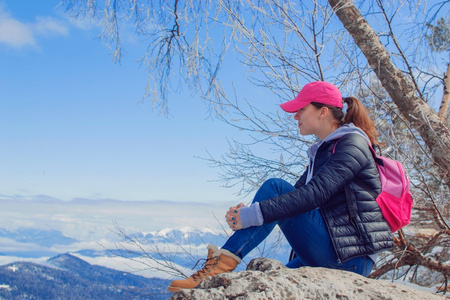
293	106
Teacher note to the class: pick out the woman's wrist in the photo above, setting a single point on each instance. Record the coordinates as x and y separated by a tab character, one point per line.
251	216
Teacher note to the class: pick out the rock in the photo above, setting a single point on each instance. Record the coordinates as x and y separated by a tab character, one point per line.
269	279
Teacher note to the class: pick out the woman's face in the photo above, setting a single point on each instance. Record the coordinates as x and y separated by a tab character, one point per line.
308	119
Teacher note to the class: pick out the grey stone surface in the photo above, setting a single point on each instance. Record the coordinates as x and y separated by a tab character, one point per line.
269	279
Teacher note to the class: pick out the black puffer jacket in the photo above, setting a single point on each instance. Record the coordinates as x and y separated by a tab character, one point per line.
332	171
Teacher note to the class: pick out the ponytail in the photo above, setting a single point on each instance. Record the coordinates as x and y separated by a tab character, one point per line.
357	114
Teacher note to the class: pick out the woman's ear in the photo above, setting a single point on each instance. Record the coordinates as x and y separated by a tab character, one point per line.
323	112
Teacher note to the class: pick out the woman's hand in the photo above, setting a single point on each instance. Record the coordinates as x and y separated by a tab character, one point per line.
233	217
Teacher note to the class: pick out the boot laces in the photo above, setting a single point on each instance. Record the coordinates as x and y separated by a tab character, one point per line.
206	268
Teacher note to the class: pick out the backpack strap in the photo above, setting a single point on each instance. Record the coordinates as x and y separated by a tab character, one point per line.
378	161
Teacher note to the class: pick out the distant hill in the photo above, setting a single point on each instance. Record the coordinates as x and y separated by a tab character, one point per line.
68	277
36	242
44	238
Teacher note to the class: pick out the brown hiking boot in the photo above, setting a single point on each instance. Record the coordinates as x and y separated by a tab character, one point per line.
218	261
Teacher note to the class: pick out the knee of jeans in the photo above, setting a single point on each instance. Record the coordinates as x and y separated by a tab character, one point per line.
271	181
279	185
271	188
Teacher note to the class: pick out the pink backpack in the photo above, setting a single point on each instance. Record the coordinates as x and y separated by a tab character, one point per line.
395	199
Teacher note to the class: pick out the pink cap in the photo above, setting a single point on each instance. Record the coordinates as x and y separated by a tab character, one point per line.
317	91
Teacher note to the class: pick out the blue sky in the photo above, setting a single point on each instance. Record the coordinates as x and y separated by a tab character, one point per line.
72	124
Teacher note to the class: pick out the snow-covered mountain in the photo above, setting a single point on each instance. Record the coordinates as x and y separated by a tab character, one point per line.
150	254
68	277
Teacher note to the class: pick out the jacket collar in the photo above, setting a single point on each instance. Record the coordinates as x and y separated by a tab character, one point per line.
338	133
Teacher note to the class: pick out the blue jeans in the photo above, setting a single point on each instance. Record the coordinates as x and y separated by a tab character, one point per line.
306	233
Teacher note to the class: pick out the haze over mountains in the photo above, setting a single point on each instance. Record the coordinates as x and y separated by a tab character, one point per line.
37	230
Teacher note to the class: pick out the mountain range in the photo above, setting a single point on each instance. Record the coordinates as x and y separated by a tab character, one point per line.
68	277
123	272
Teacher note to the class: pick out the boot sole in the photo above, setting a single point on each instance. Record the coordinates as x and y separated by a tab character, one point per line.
174	289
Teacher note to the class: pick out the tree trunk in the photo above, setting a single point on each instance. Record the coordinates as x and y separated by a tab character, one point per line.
446	96
421	117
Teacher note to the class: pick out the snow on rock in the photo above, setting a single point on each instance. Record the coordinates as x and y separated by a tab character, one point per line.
269	279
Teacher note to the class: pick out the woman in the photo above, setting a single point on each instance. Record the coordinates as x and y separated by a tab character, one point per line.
314	213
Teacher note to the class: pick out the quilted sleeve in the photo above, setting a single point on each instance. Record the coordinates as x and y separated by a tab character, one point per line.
351	155
301	181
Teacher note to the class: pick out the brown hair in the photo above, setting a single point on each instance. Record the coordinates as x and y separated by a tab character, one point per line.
356	114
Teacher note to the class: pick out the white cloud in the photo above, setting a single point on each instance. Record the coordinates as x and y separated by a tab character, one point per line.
92	220
49	26
83	23
4	260
138	266
9	245
17	34
100	246
14	33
